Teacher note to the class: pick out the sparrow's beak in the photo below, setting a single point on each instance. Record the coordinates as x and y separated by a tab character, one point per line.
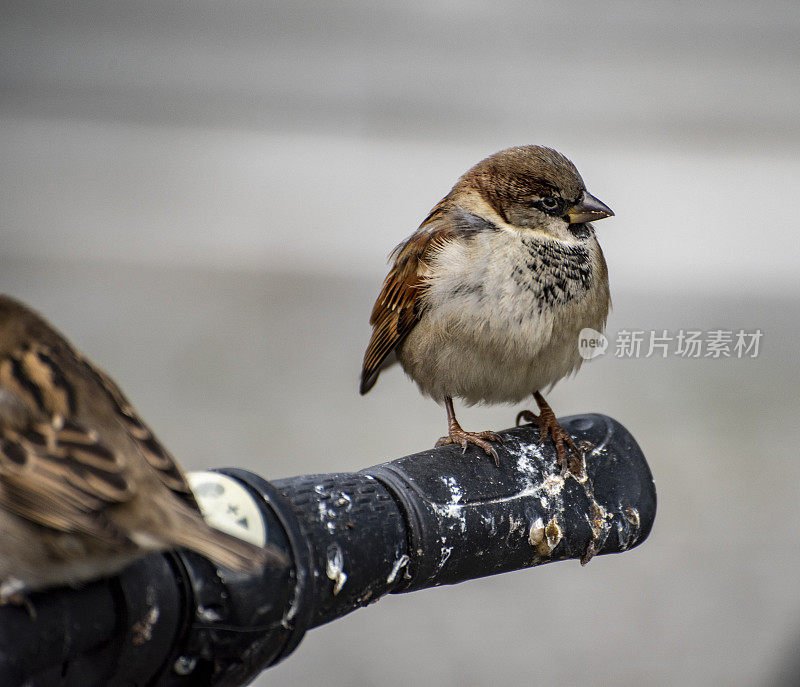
588	209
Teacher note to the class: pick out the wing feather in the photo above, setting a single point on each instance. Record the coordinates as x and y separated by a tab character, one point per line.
56	470
62	477
399	305
166	467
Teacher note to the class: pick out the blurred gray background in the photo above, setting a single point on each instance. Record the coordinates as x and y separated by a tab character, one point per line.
202	196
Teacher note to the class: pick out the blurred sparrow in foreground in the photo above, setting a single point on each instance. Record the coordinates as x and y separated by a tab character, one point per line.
85	488
485	301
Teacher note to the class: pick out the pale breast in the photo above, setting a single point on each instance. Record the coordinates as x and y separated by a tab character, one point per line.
501	315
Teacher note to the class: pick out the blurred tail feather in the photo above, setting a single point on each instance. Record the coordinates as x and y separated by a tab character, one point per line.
225	549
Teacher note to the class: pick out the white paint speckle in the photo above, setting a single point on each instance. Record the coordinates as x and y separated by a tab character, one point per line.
324	513
488	520
553	484
538	477
331	506
453	509
514	523
335	569
445	553
208	615
294	605
399	564
455	490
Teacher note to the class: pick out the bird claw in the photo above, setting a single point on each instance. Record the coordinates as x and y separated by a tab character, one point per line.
562	440
13	592
480	439
527	415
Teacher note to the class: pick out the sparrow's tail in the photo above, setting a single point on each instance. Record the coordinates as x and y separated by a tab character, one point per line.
370	371
231	552
368	379
226	550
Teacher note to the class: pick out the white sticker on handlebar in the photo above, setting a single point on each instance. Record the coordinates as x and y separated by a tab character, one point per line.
228	506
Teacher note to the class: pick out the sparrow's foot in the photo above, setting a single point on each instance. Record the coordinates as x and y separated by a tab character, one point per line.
481	439
12	593
547	423
456	435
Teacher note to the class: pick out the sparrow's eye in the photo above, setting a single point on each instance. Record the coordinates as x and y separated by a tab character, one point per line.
550	205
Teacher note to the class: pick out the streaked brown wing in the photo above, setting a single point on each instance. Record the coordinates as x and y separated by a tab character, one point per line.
61	476
57	469
166	467
399	306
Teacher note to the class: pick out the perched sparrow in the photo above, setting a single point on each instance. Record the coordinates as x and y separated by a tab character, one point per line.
485	301
85	488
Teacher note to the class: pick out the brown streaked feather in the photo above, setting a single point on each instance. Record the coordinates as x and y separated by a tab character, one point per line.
399	307
62	478
33	373
155	454
53	471
82	474
44	451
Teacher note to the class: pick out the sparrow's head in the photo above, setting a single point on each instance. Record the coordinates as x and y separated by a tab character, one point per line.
531	187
